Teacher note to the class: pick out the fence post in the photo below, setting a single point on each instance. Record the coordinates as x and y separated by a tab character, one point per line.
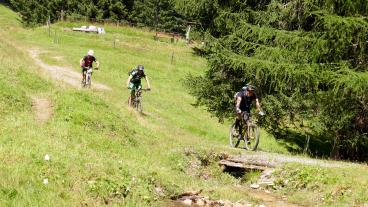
172	57
55	37
49	25
62	15
306	148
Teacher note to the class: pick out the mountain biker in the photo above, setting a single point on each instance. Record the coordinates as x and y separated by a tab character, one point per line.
134	81
244	99
87	63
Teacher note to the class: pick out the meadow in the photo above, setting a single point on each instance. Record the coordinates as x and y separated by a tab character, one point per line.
101	151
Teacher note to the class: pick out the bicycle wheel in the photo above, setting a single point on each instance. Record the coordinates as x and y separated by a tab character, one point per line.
138	105
83	83
252	138
88	81
235	137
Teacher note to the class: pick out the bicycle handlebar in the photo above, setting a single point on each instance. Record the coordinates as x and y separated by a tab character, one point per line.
261	113
142	89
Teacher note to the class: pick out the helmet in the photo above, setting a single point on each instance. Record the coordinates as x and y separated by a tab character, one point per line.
248	87
140	67
90	53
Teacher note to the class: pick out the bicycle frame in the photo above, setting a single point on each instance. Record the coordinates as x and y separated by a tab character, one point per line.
86	82
245	120
249	132
137	101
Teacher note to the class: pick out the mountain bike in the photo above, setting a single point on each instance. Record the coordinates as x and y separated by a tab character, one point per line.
248	137
86	82
136	103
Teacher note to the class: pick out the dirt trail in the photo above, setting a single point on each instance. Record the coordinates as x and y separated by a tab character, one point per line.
43	109
64	74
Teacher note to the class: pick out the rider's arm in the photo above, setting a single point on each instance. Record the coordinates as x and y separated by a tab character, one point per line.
97	64
81	62
238	100
258	105
128	81
148	84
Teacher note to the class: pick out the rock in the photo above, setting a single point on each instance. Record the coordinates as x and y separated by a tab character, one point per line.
266	183
237	205
227	205
47	157
255	186
159	191
200	202
187	202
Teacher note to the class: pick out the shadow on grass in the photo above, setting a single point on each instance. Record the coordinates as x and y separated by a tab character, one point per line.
297	143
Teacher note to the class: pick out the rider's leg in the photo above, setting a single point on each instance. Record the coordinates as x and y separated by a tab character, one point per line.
237	120
84	71
132	93
237	124
246	119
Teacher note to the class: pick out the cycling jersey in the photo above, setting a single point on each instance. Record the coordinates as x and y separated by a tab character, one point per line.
136	77
88	61
246	101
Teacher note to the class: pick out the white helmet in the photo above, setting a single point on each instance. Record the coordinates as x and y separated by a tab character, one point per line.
90	53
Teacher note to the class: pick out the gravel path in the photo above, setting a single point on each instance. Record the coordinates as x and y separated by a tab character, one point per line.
274	159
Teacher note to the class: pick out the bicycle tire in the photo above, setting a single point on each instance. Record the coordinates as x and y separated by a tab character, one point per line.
88	82
83	83
139	106
252	138
234	140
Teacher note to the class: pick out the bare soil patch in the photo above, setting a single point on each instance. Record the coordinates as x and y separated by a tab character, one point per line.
43	109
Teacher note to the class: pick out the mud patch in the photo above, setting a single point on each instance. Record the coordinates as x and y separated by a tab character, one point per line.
42	108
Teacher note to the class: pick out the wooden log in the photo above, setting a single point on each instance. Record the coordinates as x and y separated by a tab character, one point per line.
227	163
255	161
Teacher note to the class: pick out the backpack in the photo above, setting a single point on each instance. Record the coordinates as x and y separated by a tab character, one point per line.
131	71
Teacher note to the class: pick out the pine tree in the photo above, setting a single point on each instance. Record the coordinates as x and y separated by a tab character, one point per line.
158	14
308	59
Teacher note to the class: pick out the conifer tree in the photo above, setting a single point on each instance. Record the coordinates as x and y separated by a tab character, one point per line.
308	60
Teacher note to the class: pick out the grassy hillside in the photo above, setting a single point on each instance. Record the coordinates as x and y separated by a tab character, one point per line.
102	152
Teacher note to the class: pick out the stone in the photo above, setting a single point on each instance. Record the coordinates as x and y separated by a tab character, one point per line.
187	202
255	186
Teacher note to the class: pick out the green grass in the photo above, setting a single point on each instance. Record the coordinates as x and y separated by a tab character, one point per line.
102	152
309	185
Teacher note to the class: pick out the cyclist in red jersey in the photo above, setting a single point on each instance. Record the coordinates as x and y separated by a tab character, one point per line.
87	62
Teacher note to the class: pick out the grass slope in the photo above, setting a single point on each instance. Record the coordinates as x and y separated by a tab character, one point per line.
102	152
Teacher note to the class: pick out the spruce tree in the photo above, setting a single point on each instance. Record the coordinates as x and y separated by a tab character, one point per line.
308	60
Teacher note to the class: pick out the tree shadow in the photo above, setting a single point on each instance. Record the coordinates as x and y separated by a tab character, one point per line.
297	143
